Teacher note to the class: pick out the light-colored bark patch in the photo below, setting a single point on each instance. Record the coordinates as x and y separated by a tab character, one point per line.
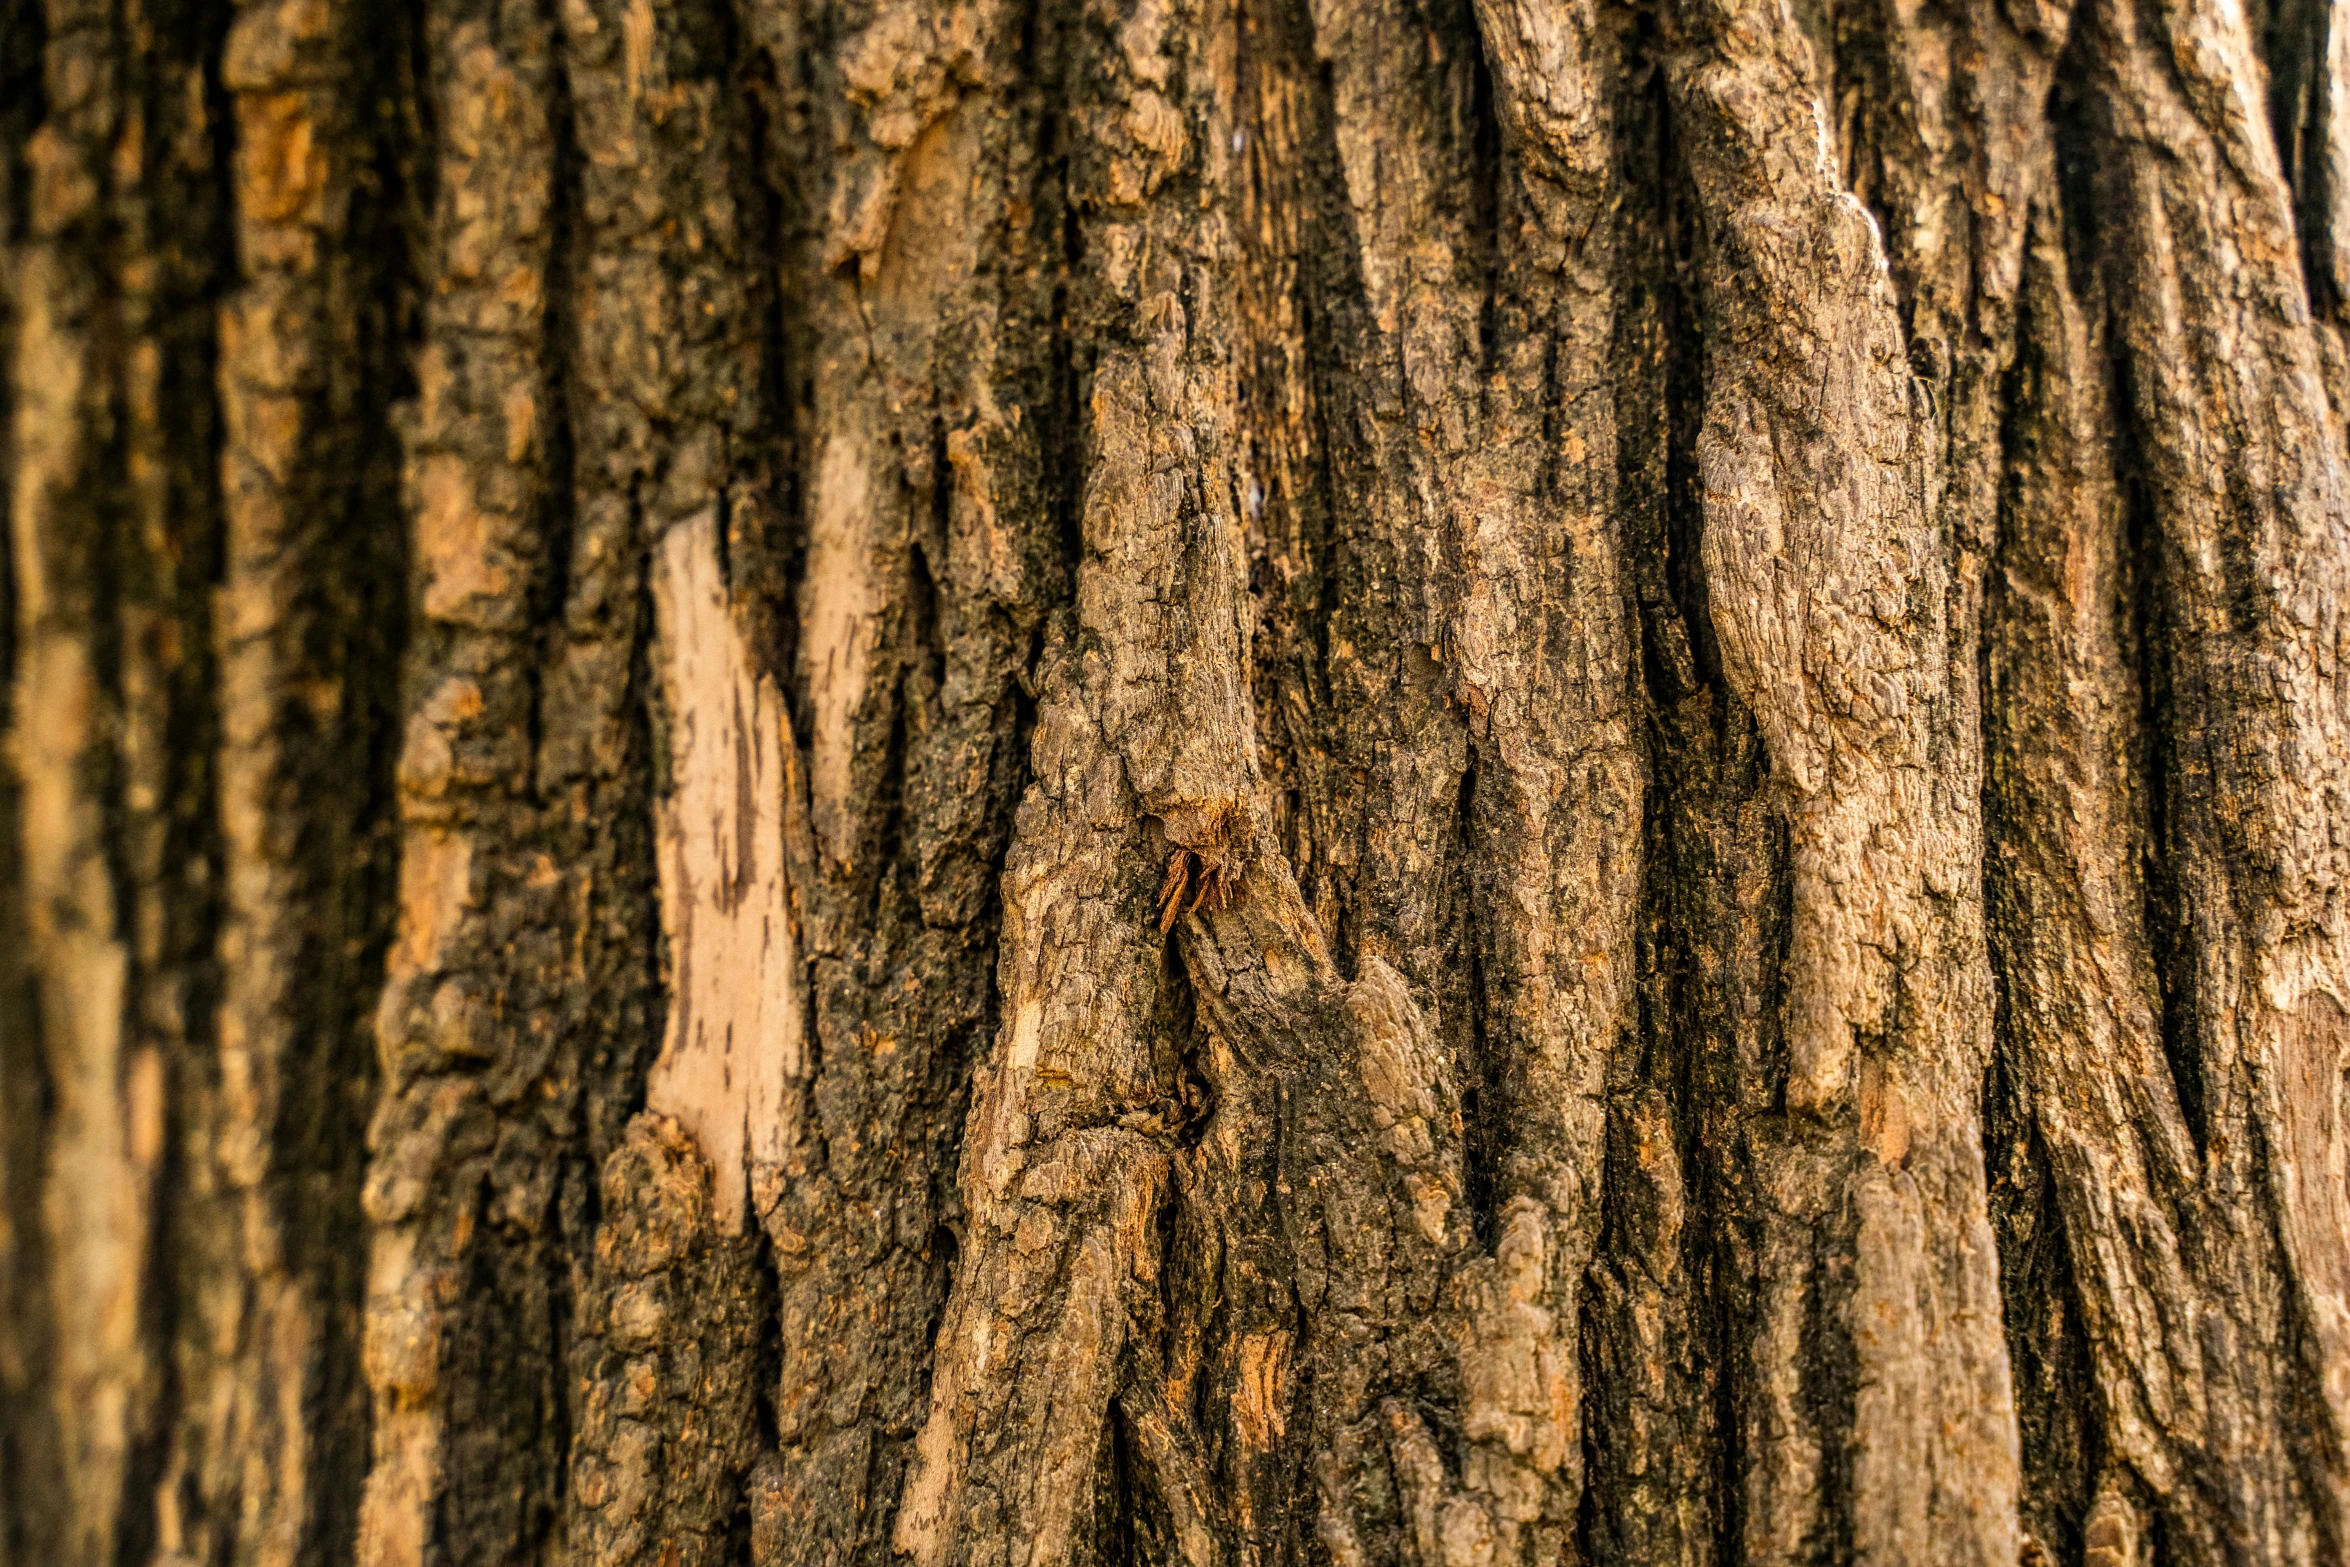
95	1191
734	1034
836	634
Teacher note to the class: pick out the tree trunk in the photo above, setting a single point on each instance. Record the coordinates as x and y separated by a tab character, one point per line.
1030	782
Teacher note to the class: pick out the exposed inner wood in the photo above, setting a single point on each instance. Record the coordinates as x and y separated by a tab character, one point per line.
734	1034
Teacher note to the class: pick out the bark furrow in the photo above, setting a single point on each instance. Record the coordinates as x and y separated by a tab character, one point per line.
1219	781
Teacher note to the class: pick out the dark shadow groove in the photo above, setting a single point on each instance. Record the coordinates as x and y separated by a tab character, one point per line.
2080	138
31	1466
1488	204
2144	558
2293	37
2040	1310
1696	754
558	352
768	538
2062	1444
1484	1083
192	220
364	633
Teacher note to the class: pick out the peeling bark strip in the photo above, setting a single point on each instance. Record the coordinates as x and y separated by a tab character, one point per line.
734	1002
1209	781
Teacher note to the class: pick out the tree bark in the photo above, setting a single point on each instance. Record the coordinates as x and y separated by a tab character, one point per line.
1033	782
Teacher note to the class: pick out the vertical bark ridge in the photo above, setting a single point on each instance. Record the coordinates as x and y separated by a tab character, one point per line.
1219	1409
2222	375
2070	909
926	561
476	1182
1384	1321
1067	1152
1656	1302
197	484
1473	697
668	414
1946	117
308	626
1829	584
99	1151
31	1462
1498	476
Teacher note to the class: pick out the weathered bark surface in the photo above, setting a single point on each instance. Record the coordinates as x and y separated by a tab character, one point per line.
1212	781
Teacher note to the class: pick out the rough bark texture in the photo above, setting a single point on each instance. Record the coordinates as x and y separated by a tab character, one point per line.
1032	782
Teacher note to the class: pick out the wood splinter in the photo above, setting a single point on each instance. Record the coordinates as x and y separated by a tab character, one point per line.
1213	882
